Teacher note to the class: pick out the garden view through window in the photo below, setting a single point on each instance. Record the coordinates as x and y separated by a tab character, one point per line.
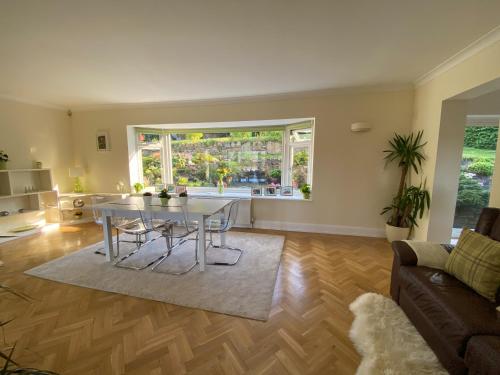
240	158
478	161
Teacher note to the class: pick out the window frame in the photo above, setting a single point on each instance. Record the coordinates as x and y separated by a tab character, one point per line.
166	150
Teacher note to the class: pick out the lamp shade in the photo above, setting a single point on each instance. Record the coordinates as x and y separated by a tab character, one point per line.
76	172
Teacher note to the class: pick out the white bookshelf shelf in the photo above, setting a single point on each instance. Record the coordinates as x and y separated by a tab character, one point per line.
28	190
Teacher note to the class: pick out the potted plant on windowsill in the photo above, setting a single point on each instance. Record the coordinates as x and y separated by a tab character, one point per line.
4	158
410	202
148	198
164	197
222	171
306	191
138	187
183	197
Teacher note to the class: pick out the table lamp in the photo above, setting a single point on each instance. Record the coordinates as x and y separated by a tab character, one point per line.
76	173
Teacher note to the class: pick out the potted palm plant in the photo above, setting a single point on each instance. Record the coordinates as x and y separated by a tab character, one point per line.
410	202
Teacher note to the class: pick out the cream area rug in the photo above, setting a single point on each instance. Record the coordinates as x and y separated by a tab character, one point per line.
245	289
388	341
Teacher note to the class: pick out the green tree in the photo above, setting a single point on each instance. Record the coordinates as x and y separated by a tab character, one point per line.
471	193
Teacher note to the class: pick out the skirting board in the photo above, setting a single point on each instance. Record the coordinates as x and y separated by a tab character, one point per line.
320	228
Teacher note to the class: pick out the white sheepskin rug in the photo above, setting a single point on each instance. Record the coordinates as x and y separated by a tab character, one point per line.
388	341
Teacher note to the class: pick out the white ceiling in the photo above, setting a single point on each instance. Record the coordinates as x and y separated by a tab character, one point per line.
77	54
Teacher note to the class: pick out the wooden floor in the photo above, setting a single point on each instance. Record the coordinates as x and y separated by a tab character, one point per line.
73	330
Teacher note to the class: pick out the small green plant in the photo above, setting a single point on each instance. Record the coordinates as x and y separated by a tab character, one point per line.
275	173
182	180
147	194
3	156
138	187
306	191
481	168
183	194
164	194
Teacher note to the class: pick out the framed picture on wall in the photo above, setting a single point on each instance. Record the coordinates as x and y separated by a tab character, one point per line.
103	141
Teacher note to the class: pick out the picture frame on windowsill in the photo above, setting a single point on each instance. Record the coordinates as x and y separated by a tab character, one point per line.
256	191
286	191
270	191
170	188
180	189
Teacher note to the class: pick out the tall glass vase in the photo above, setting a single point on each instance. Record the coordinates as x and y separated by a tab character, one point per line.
220	187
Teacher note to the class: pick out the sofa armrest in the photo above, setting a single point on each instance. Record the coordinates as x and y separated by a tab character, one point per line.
403	256
482	356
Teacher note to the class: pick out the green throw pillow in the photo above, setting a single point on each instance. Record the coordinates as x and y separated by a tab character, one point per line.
476	262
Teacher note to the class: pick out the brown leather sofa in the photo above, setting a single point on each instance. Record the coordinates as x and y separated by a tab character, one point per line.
461	327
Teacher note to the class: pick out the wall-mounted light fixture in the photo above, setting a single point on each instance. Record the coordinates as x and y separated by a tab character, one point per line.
360	127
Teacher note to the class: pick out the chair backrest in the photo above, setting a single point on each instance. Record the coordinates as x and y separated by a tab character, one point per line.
232	216
96	213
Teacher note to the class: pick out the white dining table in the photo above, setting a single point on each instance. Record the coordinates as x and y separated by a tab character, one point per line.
130	207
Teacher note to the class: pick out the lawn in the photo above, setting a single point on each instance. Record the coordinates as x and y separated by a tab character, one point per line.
477	153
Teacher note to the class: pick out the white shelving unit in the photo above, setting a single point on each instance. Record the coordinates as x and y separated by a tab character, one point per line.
24	194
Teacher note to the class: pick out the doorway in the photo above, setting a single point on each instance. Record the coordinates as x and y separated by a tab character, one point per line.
476	171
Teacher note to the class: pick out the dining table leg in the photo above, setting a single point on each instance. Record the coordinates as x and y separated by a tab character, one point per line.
108	236
201	243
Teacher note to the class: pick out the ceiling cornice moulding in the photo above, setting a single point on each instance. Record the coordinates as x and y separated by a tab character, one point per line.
250	98
485	41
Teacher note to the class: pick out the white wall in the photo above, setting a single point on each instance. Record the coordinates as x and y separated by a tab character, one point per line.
29	132
350	183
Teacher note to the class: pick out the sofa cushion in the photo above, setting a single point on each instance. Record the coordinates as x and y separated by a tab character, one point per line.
476	261
453	308
483	355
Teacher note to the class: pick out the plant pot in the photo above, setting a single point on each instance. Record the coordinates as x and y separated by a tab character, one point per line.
3	165
147	200
164	201
306	195
183	200
396	233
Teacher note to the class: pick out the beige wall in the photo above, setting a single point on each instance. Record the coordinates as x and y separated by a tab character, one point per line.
29	132
474	71
350	184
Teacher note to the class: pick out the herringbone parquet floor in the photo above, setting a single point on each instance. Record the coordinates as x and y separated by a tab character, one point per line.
74	330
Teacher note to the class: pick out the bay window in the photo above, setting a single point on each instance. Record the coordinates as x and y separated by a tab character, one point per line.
279	155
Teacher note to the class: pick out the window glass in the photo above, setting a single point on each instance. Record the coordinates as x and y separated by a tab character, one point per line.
300	135
151	167
299	161
238	158
146	139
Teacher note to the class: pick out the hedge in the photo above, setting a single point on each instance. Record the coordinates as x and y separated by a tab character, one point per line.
484	137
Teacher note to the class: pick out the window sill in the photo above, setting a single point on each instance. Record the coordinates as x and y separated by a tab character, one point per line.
240	193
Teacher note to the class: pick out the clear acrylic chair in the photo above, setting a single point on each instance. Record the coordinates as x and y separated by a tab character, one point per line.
176	235
116	222
140	227
222	225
